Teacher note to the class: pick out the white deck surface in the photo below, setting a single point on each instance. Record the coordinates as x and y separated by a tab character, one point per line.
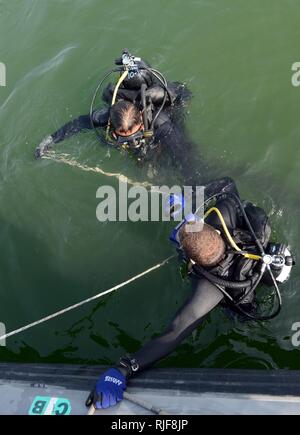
16	398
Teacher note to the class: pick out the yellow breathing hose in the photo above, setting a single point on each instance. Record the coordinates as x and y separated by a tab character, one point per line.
120	81
228	235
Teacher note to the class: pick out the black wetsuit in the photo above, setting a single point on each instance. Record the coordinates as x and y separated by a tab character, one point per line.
205	296
170	140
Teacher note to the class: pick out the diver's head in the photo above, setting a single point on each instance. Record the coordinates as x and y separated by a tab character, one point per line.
205	247
126	119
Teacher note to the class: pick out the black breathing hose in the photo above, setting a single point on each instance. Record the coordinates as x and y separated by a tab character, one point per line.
144	105
256	239
95	96
158	75
253	288
238	285
159	111
161	79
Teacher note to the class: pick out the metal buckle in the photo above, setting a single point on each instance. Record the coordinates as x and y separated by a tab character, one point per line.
134	365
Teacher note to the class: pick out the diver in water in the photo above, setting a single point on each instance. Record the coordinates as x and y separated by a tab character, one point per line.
144	116
226	257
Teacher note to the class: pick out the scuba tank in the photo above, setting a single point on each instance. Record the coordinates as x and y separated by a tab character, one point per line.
274	264
134	74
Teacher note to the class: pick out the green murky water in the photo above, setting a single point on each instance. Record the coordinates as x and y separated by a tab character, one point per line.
236	57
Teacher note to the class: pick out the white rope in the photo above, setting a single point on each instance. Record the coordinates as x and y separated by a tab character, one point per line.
79	304
71	161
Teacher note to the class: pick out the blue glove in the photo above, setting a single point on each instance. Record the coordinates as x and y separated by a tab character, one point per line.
108	391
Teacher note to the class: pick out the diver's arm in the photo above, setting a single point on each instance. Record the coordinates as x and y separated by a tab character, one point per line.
100	119
73	127
203	299
109	389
